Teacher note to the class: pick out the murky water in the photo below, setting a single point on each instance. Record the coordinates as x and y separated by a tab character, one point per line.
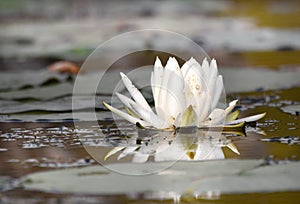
33	147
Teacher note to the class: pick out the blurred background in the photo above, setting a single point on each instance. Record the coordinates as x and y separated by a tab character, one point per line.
240	33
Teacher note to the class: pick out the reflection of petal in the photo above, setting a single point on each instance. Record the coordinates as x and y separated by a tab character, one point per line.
233	148
207	151
173	152
139	157
113	151
127	151
180	145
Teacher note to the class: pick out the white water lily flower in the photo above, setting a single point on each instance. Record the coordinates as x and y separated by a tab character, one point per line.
186	96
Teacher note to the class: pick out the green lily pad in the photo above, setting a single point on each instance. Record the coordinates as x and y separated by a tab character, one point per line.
192	178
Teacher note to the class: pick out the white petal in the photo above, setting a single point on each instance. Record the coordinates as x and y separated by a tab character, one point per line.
213	76
199	109
175	95
162	103
154	88
134	92
126	116
156	79
127	102
124	99
247	119
217	116
191	64
217	92
150	117
177	120
231	106
205	68
194	87
204	111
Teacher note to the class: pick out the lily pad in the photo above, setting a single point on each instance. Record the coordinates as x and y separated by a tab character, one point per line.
40	93
293	109
56	117
192	178
57	105
87	84
9	80
8	183
243	80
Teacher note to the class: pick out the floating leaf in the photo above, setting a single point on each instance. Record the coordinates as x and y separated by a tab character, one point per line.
57	105
10	80
243	80
56	117
293	109
193	178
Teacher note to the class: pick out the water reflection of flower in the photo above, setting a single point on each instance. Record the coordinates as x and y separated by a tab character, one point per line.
186	96
187	144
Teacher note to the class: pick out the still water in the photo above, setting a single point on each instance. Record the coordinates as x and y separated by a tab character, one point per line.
35	147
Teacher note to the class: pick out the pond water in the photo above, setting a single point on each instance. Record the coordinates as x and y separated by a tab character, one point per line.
28	147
